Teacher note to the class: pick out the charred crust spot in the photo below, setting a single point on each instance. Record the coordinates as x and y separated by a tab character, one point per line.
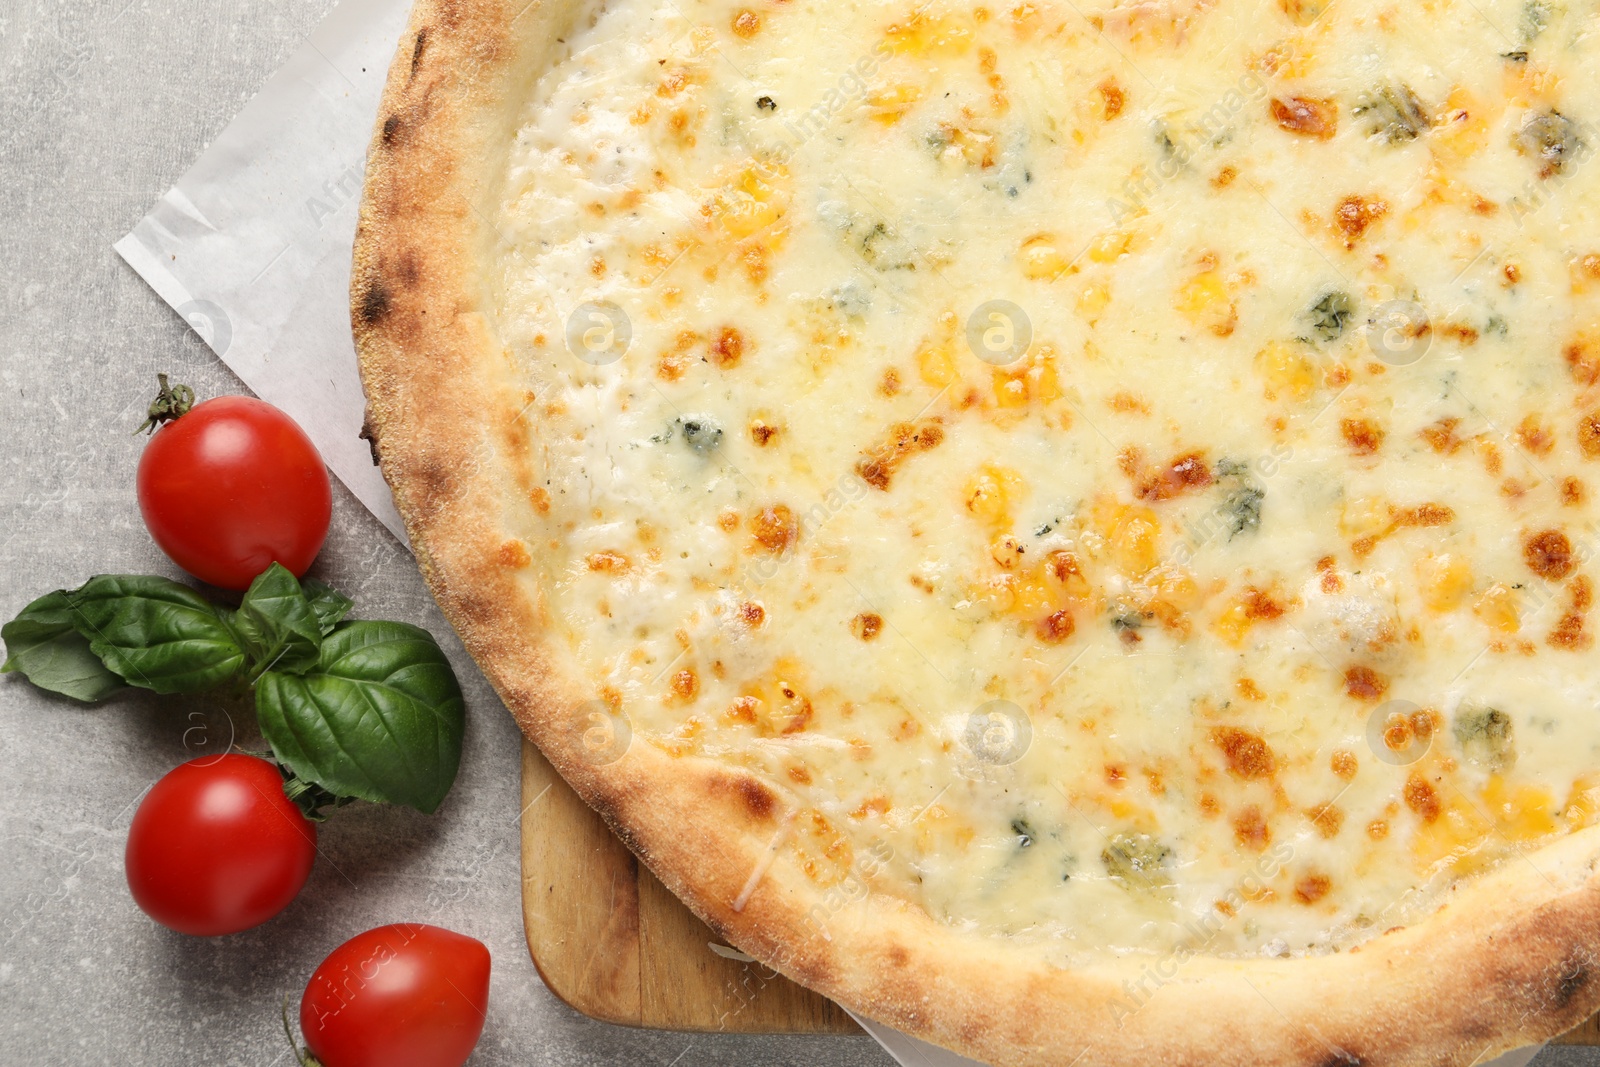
369	434
435	482
416	50
406	268
391	131
1339	1057
1548	554
758	800
1572	979
374	304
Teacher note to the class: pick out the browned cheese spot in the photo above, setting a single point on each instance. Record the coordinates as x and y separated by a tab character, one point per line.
746	24
514	554
775	528
1355	214
1548	554
1421	797
1364	683
1250	829
1442	438
1247	754
877	468
1569	634
1112	99
1055	627
867	625
1589	435
762	432
1327	817
1260	606
1307	116
727	348
743	709
1534	436
607	562
1186	472
1310	888
1362	435
1583	359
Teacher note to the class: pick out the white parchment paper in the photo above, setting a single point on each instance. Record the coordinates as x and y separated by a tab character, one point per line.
252	247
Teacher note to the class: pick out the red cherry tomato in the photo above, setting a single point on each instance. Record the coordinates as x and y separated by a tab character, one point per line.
406	995
216	847
233	486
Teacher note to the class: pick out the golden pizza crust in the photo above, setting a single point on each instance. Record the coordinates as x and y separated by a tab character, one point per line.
1511	959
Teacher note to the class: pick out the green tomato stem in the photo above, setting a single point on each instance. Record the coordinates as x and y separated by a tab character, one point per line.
172	402
302	1055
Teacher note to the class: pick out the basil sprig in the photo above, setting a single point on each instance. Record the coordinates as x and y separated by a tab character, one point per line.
363	709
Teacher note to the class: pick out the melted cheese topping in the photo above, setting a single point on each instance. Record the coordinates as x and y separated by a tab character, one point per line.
1126	471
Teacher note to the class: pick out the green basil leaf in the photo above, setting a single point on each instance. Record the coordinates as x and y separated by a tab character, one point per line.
44	646
327	604
278	624
380	717
156	633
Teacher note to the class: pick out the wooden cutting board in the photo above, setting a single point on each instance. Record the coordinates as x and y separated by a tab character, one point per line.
610	940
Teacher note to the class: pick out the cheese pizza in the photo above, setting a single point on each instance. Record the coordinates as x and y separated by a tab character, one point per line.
1067	528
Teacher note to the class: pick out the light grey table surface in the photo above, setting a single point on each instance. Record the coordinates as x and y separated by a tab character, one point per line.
103	104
